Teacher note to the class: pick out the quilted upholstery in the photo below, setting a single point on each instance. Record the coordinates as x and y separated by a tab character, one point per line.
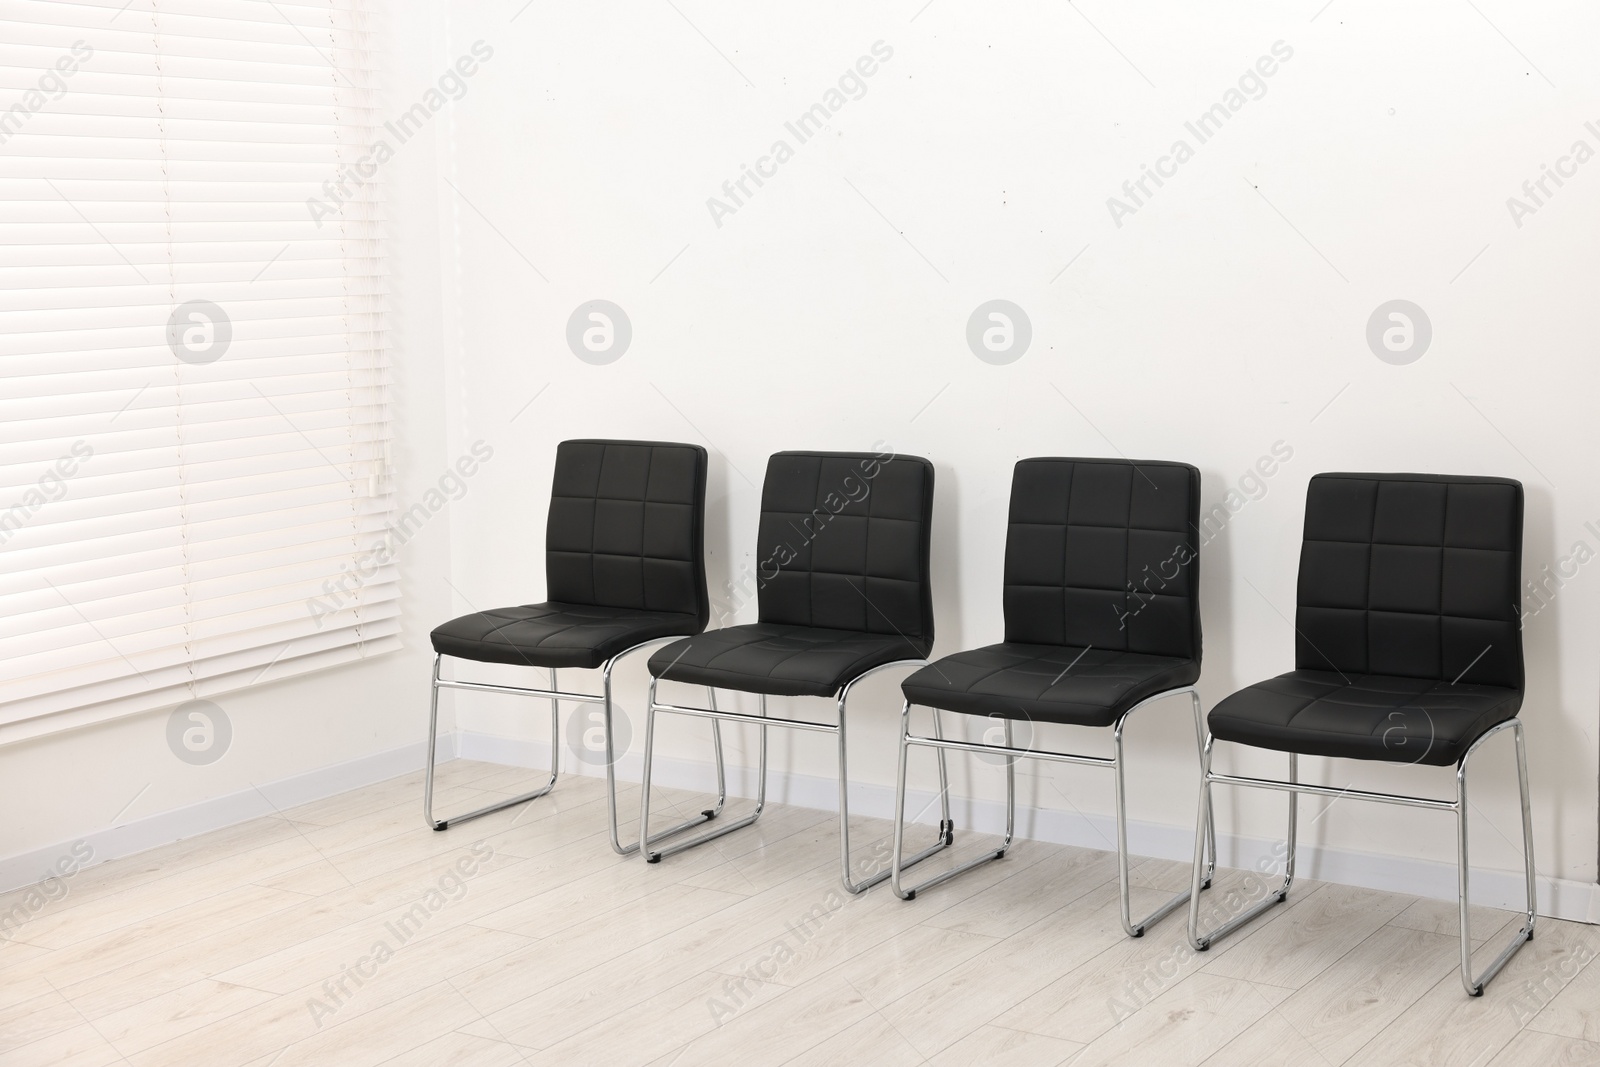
1047	683
627	527
843	543
1375	717
842	572
624	560
1100	553
779	659
1412	575
1101	602
1408	639
555	635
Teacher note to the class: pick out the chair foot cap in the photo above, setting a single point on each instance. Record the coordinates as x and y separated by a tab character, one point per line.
440	826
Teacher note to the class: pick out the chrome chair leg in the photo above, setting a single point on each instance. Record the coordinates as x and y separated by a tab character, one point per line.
433	744
1458	807
1200	942
611	778
1204	836
653	855
946	825
897	863
1475	986
1205	833
763	721
1210	821
555	696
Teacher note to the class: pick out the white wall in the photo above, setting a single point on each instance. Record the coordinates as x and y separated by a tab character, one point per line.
1228	314
829	311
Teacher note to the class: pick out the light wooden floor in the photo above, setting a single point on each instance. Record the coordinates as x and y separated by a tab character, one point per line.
346	933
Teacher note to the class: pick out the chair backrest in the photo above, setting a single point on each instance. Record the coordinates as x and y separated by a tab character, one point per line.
1416	575
627	527
844	543
1104	553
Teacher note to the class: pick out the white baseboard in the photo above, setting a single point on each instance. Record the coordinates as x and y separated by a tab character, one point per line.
1558	897
115	842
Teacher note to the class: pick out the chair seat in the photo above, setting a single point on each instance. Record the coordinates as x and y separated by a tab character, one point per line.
1370	716
1047	683
556	635
780	660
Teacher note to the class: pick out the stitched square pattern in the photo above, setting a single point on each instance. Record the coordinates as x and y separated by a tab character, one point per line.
1101	605
1412	576
1103	554
843	543
624	561
626	527
843	570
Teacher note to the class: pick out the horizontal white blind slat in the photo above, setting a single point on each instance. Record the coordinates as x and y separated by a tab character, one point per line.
194	430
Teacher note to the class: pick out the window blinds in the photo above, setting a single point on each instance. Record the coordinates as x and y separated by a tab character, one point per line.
194	420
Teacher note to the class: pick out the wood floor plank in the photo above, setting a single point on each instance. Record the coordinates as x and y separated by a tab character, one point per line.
980	990
1007	1048
770	1032
590	998
600	939
1547	1050
1571	1010
129	872
158	897
1269	1042
240	949
174	1014
1446	1028
35	1019
76	1046
456	1049
1183	1026
664	1024
1117	976
1443	917
1350	1002
1036	891
873	1040
212	950
1312	934
93	956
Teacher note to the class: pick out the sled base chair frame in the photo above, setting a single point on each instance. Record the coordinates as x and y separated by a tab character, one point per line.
1011	754
555	695
1294	787
763	720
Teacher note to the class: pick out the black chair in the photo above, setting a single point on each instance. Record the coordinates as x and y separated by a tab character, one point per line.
842	593
1102	617
624	569
1408	649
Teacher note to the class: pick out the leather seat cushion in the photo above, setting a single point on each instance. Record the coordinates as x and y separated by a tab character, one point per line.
1369	716
1047	683
780	659
555	634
